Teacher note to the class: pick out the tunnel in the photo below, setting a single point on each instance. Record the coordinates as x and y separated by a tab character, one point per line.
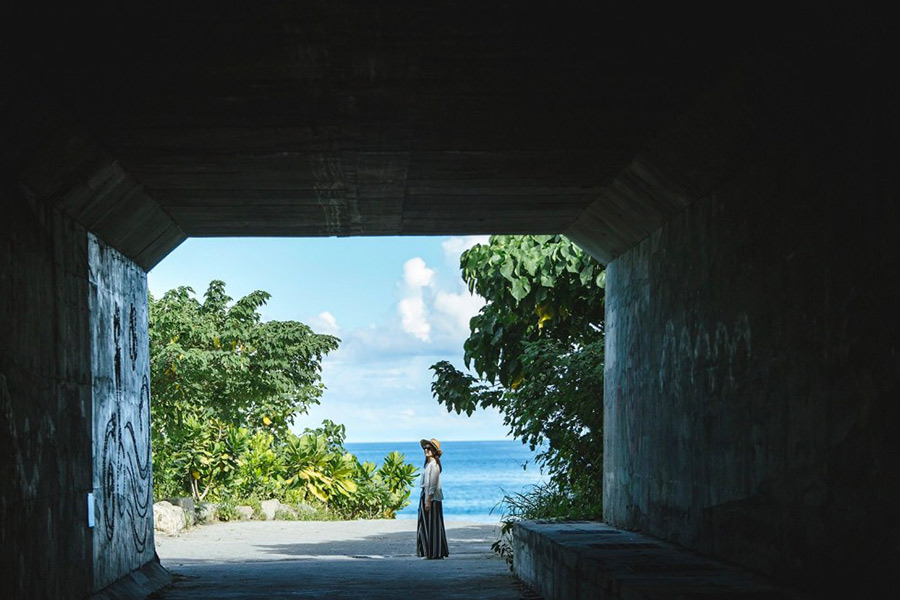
730	165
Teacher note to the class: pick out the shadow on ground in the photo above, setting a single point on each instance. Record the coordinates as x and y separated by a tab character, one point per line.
473	539
340	560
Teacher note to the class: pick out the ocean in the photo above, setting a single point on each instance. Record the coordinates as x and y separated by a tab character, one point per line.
475	475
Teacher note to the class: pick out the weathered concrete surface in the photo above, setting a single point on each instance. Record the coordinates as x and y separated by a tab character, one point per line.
45	409
120	366
63	166
61	348
137	585
340	560
347	117
752	357
584	560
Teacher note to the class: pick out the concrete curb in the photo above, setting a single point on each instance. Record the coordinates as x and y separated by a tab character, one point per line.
588	560
138	584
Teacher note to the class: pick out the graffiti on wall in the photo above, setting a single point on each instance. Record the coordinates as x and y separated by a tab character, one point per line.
702	359
126	462
120	400
694	362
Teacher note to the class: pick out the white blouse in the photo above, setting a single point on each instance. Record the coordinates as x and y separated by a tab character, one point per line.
431	481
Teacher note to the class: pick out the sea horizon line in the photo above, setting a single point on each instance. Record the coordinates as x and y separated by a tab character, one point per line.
448	441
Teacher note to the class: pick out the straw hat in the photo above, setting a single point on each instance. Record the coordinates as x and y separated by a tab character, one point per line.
435	445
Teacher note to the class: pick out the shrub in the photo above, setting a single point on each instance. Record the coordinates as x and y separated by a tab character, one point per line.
546	502
283	514
229	464
254	503
227	511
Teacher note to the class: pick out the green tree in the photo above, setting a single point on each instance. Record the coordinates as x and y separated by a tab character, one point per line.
220	375
226	387
537	350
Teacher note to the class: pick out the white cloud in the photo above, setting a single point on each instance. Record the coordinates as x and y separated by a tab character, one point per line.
375	402
325	322
413	317
416	274
455	246
413	313
433	315
379	380
459	308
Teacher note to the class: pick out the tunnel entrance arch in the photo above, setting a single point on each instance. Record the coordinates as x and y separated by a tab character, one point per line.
728	180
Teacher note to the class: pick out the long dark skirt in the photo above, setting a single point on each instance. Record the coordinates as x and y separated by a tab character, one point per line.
431	537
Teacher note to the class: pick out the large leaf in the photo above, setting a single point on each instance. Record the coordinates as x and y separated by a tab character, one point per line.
520	288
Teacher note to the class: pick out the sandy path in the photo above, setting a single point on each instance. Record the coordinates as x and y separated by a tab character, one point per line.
331	559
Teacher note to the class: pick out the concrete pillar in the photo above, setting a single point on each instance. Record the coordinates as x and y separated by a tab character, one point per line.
74	405
752	360
46	546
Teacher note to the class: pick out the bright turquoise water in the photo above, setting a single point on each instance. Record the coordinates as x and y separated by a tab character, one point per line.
475	475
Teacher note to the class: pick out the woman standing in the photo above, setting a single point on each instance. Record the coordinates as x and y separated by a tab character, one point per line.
431	538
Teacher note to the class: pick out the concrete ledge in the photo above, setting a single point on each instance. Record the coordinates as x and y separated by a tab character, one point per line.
138	584
586	560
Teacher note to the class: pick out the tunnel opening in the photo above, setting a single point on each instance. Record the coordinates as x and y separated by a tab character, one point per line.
736	181
398	305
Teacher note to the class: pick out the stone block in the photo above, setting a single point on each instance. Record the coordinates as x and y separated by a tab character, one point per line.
582	560
168	519
206	512
190	510
269	508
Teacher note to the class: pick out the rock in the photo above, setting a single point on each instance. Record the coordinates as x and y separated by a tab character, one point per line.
245	513
269	508
167	518
206	512
187	505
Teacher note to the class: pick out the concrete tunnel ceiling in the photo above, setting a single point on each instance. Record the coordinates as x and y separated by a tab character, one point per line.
325	118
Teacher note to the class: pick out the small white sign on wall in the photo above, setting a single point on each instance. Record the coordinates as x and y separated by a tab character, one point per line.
90	508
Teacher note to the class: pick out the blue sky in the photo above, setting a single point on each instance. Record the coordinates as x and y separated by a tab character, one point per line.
398	304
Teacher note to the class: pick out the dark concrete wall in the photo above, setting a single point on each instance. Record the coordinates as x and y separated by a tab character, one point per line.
45	402
751	396
74	406
120	366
